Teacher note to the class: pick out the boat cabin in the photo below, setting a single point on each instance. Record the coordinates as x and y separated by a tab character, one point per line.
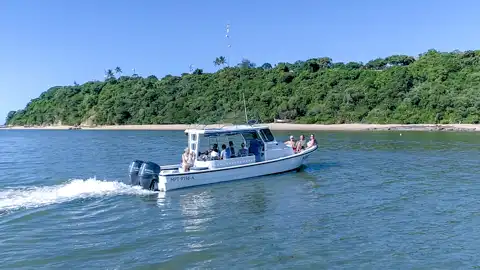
250	144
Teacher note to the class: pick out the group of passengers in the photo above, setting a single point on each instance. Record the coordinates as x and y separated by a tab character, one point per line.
227	151
301	144
255	148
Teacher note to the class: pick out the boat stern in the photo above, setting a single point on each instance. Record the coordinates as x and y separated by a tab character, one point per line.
162	183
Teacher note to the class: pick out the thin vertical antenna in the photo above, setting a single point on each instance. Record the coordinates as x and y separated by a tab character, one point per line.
227	35
245	107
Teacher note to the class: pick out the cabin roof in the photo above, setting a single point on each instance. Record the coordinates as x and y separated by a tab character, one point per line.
225	130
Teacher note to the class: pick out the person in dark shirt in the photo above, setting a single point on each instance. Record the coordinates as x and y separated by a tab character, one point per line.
232	149
255	147
242	152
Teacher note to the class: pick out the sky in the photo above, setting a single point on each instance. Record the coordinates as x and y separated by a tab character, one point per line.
56	42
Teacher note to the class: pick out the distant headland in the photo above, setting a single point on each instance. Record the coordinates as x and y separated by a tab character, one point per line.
432	91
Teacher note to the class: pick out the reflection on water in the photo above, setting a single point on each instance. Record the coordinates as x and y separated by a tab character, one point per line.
255	200
197	210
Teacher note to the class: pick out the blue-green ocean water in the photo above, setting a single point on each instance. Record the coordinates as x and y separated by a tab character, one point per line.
367	200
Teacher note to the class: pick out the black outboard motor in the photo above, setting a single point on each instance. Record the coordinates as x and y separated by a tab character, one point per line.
133	172
148	175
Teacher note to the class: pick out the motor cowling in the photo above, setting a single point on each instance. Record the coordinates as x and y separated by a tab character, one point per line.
133	172
148	175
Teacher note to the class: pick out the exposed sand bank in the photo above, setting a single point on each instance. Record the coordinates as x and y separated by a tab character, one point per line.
280	127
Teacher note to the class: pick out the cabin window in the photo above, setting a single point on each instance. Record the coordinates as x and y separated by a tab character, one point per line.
267	135
194	137
193	146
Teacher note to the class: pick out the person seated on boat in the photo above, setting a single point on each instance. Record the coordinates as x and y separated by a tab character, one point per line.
214	152
300	145
243	151
225	154
232	149
255	147
291	142
312	141
188	159
203	156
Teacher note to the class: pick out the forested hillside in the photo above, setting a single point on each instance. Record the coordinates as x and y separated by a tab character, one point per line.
434	87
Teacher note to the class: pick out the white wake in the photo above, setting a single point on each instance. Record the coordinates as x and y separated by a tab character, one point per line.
31	197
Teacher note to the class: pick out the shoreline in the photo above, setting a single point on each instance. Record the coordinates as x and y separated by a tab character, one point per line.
275	126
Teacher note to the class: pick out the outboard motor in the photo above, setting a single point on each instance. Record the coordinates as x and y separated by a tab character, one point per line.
148	175
133	172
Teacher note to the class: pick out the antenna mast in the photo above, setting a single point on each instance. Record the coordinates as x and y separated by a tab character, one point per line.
228	43
245	107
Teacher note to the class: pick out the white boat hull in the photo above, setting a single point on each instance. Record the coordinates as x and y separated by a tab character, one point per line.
197	178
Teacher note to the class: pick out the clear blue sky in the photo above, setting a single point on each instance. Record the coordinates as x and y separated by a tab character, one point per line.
56	42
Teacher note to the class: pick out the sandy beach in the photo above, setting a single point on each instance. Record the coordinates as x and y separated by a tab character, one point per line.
279	127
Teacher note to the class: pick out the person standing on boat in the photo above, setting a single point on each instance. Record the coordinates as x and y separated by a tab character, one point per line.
255	147
188	159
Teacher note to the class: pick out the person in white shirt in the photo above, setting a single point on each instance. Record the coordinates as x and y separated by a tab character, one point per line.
188	159
214	153
312	141
225	154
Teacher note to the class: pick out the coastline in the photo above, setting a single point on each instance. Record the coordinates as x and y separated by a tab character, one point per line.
277	126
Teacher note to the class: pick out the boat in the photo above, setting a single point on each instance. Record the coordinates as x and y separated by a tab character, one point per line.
272	157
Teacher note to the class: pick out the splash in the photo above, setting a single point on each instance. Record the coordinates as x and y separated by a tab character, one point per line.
32	197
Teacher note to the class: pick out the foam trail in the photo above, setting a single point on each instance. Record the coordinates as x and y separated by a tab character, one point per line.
31	197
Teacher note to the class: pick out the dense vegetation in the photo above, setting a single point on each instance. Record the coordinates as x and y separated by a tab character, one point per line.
435	87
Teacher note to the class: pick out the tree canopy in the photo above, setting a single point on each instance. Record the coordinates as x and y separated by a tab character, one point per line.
435	87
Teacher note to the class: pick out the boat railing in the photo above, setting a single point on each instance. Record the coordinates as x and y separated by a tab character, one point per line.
208	126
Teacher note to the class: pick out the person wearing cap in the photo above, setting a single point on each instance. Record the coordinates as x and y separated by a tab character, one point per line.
291	142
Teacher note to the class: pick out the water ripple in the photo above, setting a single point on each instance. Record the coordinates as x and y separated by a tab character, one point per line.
366	200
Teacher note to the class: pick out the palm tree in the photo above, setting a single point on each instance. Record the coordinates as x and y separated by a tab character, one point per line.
220	61
109	74
118	70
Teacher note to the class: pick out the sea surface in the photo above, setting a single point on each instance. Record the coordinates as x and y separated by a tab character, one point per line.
367	200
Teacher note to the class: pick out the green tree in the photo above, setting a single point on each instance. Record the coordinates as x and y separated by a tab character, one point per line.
266	66
118	71
435	87
10	116
246	64
109	74
220	61
198	71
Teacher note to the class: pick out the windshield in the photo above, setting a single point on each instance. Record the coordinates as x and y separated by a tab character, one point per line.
267	135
